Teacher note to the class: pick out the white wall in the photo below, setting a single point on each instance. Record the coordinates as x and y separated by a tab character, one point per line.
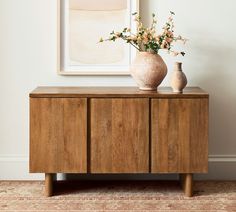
28	59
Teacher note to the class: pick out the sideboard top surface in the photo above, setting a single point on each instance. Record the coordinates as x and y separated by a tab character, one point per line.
103	92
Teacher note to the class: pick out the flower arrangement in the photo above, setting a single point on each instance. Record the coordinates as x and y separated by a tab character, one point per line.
147	39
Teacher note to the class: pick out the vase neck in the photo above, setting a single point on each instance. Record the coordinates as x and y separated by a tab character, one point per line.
178	66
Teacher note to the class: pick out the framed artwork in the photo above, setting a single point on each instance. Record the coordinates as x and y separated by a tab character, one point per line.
81	24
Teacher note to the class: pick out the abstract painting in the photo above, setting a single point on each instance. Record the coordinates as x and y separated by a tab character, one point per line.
82	24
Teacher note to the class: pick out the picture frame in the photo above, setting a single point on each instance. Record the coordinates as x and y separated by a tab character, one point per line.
70	40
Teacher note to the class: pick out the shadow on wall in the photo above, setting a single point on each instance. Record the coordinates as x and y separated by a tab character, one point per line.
121	177
215	71
146	9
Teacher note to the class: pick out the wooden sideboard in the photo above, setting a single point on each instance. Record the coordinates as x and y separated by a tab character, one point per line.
118	130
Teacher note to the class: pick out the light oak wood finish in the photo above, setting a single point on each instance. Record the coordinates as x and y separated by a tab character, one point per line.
58	135
118	130
119	135
121	92
48	185
180	135
186	181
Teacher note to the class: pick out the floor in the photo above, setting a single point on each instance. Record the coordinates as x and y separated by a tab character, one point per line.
117	196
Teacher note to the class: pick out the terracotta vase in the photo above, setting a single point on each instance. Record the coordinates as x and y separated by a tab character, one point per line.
148	70
178	80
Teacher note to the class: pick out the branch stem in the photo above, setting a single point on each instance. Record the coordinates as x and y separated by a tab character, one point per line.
131	44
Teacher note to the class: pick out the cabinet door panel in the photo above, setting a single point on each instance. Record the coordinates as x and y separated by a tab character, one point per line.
58	135
119	135
180	135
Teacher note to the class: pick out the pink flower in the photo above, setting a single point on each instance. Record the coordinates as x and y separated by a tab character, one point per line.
147	39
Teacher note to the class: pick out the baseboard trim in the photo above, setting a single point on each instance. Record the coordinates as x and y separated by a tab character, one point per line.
222	158
13	158
16	167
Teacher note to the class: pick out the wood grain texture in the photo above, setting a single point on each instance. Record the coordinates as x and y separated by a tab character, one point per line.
186	181
179	135
58	135
123	92
119	135
48	185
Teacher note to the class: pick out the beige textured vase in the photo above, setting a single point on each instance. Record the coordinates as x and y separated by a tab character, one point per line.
148	70
178	80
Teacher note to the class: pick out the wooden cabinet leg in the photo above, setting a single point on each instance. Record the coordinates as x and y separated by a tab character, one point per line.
186	181
48	185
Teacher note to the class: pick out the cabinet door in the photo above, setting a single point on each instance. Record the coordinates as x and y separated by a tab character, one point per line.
119	135
180	135
58	135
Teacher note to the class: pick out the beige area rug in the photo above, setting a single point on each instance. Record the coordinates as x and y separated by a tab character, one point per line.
117	196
